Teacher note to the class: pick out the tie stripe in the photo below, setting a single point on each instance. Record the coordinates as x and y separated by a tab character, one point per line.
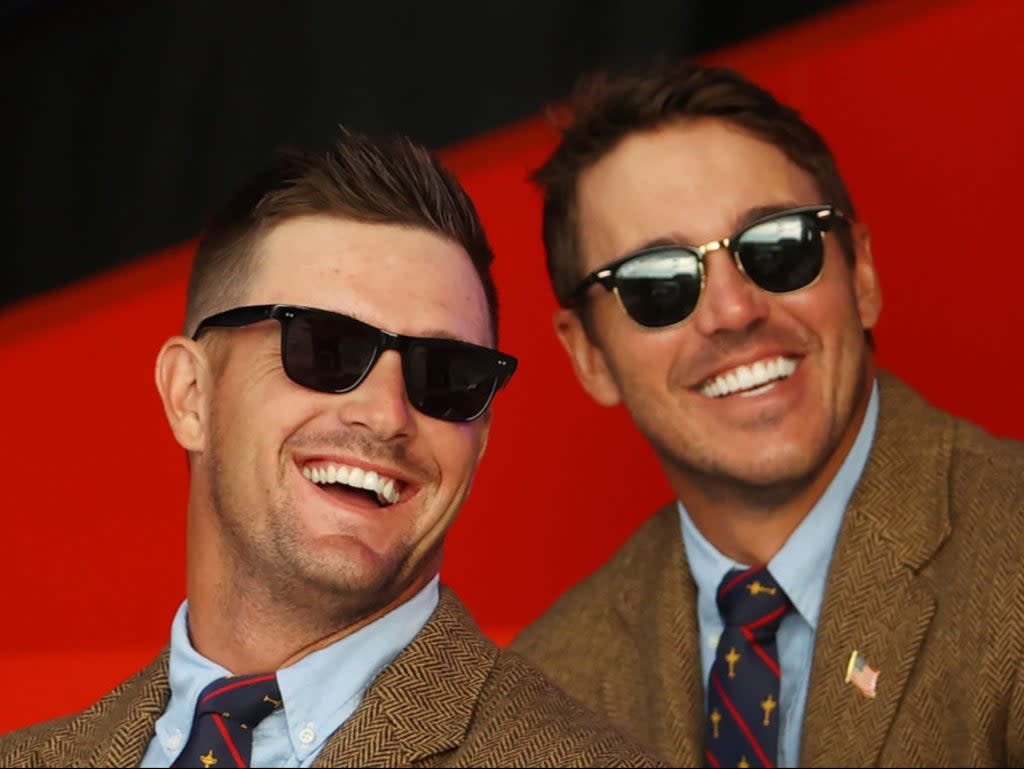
729	582
740	720
236	684
239	761
747	631
769	662
226	713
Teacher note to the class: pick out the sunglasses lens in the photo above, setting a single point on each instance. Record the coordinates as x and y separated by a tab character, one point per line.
449	380
444	378
782	254
661	287
327	352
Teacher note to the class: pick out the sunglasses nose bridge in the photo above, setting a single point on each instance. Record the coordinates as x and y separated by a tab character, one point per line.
710	246
379	401
730	300
389	340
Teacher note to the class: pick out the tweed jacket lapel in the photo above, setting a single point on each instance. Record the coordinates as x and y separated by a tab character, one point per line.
660	653
895	522
422	704
116	730
419	707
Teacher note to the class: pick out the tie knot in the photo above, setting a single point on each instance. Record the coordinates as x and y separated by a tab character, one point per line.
753	600
241	699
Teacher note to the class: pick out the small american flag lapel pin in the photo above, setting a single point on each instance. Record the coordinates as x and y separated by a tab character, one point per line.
861	674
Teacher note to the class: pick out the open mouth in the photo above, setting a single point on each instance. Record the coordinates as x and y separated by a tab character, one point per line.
749	380
346	481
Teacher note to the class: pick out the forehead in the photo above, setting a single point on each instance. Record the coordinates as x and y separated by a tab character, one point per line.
403	279
691	181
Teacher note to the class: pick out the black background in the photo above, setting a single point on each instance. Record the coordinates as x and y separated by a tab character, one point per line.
126	123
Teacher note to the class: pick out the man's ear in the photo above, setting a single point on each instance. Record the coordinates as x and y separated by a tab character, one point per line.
867	288
183	378
588	359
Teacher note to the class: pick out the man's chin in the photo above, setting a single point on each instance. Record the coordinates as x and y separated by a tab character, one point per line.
779	475
770	478
347	573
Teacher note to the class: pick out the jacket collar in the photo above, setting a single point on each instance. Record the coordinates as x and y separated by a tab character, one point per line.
660	650
875	604
422	704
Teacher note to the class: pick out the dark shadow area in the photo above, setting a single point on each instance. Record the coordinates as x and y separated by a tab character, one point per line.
127	122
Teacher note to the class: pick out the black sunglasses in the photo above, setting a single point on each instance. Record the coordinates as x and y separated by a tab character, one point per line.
332	353
661	285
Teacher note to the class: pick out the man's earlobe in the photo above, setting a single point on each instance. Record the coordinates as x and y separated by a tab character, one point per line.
182	379
588	359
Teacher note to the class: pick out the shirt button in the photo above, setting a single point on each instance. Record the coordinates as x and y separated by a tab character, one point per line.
174	741
713	641
308	734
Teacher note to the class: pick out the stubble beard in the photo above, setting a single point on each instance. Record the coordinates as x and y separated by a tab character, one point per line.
768	482
341	573
278	568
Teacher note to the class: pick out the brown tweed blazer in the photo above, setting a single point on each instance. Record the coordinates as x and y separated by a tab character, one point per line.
451	698
927	582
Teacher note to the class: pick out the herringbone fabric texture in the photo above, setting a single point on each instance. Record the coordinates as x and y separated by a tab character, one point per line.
925	583
226	713
743	688
450	699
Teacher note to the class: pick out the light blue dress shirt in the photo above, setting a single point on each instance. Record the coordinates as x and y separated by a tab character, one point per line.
800	568
320	691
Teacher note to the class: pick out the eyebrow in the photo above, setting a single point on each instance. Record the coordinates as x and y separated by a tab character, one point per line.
748	217
442	334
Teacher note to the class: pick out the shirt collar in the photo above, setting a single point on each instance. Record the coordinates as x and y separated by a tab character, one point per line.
324	687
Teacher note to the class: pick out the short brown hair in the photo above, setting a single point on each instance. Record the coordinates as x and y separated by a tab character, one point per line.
606	109
379	180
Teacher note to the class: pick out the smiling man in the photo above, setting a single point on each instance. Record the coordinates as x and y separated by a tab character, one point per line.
839	581
332	390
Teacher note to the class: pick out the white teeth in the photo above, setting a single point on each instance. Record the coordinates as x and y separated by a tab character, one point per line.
385	488
749	377
387	493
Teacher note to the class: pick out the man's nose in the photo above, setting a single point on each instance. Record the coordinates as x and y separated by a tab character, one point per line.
731	302
380	402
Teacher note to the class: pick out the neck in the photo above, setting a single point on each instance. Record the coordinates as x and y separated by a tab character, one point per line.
243	624
751	523
741	523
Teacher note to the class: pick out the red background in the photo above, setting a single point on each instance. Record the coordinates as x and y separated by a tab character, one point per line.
920	102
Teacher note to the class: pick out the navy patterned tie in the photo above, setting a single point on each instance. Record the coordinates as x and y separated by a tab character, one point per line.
227	712
743	690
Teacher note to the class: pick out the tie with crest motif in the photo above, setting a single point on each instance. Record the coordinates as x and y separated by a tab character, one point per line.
227	712
743	688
